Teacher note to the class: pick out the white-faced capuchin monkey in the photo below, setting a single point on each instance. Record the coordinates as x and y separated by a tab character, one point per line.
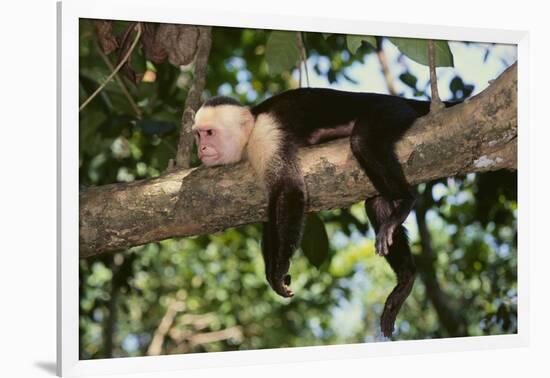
269	135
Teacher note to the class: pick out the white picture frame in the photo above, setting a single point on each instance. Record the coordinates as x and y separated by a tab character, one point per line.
69	12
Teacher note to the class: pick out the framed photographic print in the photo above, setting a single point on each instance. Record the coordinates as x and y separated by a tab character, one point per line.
260	189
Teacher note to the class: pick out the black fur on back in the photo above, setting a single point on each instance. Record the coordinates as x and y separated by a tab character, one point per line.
221	100
302	111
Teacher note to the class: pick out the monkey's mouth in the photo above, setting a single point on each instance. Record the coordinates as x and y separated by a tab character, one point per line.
208	159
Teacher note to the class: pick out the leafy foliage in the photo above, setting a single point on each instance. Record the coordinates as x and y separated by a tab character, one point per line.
417	50
281	51
315	241
355	41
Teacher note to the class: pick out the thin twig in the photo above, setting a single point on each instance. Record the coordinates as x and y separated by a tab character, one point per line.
303	58
436	103
119	81
193	100
118	67
385	69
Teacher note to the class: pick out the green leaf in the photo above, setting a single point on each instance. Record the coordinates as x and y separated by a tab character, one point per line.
315	240
408	79
354	42
89	134
281	51
150	66
417	50
139	63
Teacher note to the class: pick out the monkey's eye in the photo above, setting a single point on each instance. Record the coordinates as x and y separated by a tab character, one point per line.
209	132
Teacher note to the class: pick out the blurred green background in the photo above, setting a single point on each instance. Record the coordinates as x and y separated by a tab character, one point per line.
208	293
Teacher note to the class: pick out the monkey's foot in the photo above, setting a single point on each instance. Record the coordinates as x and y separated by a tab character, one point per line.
281	286
384	239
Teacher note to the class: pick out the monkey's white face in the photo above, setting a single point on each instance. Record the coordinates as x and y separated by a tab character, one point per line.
221	133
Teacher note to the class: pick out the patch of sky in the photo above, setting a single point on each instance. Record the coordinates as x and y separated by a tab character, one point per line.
439	191
339	240
244	76
504	251
434	220
130	343
345	55
323	63
235	63
225	89
243	87
315	327
412	226
356	237
459	198
470	231
491	241
348	314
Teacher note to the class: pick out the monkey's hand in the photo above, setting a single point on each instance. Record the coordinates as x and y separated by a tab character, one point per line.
280	284
384	238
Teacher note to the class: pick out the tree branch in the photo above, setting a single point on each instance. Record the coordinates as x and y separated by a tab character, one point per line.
388	77
155	347
303	58
478	135
436	103
193	100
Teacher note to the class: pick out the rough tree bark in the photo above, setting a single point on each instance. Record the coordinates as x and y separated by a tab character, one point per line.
193	100
478	135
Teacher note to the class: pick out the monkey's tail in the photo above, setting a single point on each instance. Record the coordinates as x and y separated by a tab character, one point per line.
400	259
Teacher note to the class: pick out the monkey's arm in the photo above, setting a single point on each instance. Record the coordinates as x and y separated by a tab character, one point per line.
282	232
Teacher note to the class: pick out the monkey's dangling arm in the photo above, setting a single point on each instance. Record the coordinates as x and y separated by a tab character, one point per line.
283	230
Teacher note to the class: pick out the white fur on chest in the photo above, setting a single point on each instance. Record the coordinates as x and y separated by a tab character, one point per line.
263	149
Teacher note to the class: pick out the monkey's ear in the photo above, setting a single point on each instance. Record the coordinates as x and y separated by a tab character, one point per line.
247	119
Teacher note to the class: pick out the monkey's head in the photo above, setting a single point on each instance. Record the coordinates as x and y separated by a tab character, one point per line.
222	128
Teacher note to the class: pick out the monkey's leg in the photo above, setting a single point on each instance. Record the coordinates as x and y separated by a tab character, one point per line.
287	200
399	258
372	146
